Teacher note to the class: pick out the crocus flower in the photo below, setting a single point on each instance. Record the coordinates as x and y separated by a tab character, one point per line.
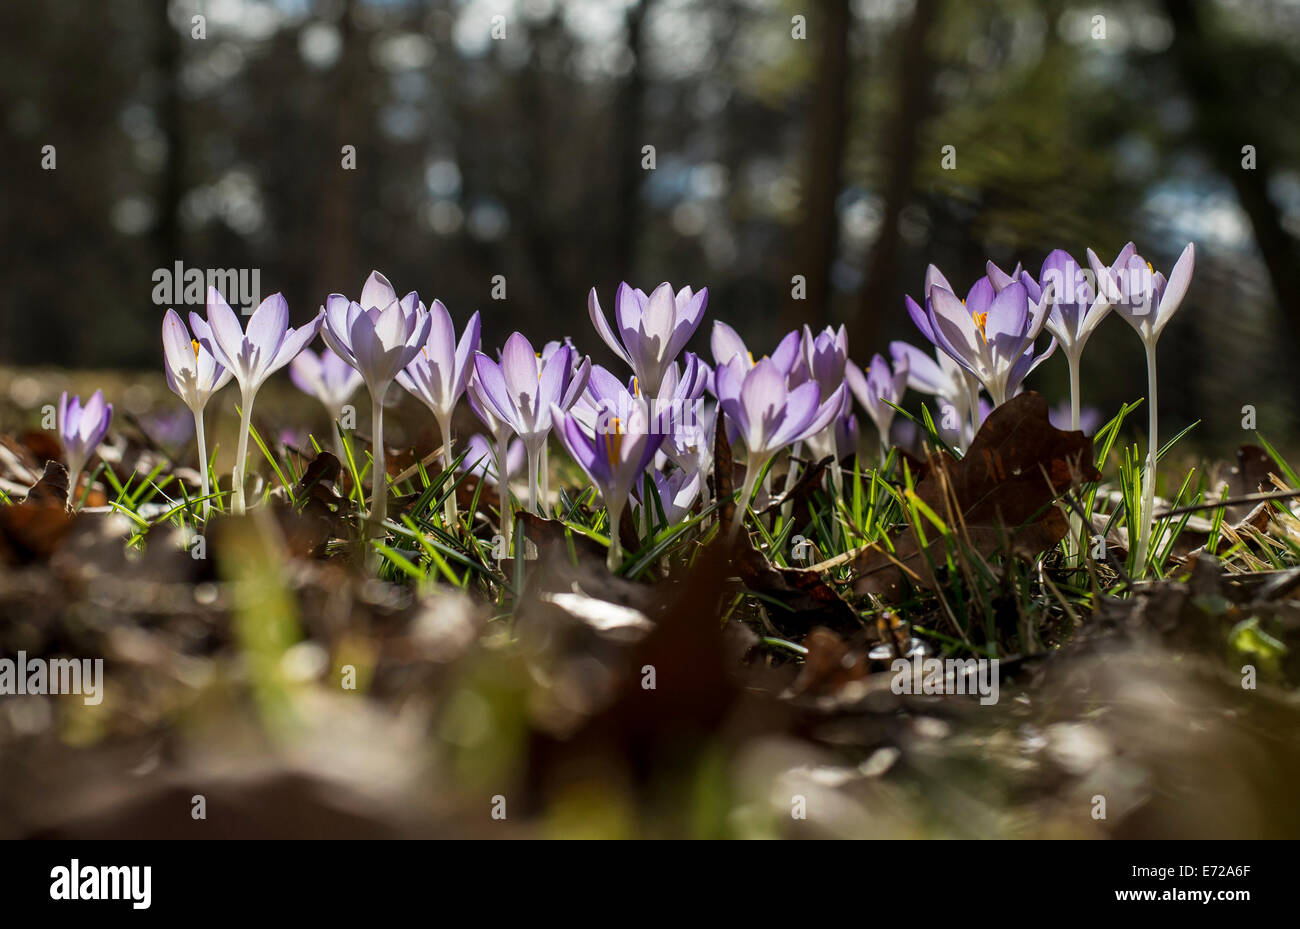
523	389
876	388
992	334
847	436
327	377
652	330
1062	417
378	336
689	446
677	491
194	375
81	429
970	388
614	455
500	431
438	374
1077	309
825	360
576	360
726	343
481	459
1146	301
940	377
769	415
251	356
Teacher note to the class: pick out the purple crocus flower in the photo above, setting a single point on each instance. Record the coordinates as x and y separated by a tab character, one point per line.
1077	309
824	358
251	356
1062	417
438	374
991	334
652	330
941	377
500	432
616	452
677	491
847	436
378	335
769	415
1146	301
1142	295
969	384
327	377
81	429
481	459
194	375
689	445
726	344
999	278
874	387
522	390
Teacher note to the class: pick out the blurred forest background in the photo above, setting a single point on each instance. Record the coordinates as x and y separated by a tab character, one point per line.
775	156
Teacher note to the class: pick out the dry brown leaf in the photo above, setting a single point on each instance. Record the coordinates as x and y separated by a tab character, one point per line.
1001	492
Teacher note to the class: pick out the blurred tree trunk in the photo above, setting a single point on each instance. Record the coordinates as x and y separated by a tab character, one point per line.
337	224
536	200
1223	125
630	113
818	242
167	61
881	292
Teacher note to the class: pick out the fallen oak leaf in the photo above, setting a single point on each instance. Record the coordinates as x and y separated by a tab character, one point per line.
32	530
52	489
319	517
1001	493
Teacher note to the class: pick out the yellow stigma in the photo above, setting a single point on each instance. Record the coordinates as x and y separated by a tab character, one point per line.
751	358
613	440
195	343
636	388
1151	269
980	320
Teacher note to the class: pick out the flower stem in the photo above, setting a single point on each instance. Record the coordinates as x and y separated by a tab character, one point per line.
203	462
74	474
787	508
1074	540
837	488
614	560
973	398
534	460
241	454
742	506
545	468
1149	474
449	515
503	485
1074	392
379	470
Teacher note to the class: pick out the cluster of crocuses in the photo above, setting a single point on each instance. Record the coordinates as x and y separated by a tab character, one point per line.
987	341
652	426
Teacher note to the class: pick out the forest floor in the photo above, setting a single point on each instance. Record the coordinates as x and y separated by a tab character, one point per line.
304	682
